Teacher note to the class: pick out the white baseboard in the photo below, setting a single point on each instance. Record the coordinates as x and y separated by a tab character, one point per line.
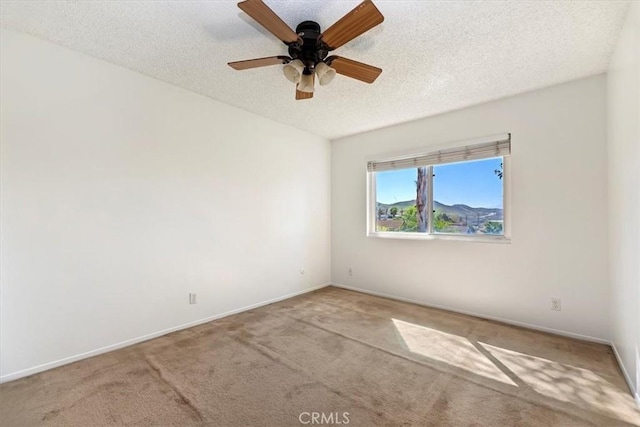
50	365
481	315
627	377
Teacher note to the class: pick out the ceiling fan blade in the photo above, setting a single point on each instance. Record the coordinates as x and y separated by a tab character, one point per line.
266	17
354	69
303	95
259	62
360	20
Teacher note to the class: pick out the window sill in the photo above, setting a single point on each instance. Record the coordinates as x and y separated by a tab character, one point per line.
454	237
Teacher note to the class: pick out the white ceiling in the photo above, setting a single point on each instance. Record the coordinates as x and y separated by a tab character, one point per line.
436	55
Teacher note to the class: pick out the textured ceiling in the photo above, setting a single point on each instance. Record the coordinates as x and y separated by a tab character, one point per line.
436	55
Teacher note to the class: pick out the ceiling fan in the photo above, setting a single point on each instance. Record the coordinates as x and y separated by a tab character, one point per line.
309	47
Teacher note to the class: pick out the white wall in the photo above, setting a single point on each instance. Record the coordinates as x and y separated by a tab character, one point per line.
559	215
623	107
121	194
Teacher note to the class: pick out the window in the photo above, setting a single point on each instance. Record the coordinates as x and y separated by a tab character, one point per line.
454	192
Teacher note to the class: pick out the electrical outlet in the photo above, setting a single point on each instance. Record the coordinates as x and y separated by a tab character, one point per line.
350	271
193	298
556	304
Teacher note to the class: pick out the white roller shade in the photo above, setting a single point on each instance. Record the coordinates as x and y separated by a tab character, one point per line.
481	150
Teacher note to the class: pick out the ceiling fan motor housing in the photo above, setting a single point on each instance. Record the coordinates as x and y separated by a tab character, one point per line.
312	50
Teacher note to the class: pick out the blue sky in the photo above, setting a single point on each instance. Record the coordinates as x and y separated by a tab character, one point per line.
470	183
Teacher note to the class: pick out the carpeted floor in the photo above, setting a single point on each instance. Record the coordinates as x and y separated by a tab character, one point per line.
345	356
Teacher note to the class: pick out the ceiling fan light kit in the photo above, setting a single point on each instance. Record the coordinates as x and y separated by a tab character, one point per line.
325	73
293	71
306	83
308	46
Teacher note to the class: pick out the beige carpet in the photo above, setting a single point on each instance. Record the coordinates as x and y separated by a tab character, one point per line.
334	352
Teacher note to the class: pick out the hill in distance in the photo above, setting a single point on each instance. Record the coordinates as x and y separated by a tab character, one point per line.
460	211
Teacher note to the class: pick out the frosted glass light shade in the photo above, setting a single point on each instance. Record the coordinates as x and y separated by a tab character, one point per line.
306	83
293	70
325	73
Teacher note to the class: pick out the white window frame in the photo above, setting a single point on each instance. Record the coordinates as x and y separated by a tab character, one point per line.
430	234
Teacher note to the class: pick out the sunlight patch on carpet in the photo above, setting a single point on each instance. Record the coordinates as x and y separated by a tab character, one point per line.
568	383
449	348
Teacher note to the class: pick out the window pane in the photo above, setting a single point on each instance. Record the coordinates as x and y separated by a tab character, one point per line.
468	197
401	203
